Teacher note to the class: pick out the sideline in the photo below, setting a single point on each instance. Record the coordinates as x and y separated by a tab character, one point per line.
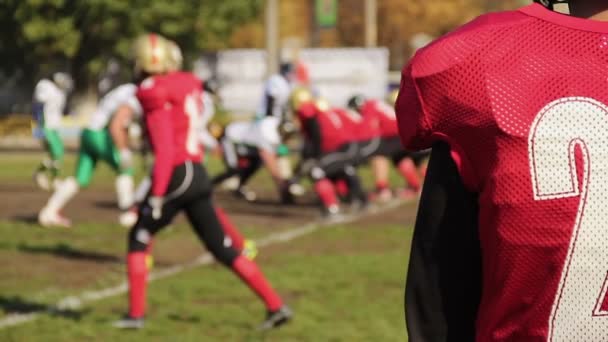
77	301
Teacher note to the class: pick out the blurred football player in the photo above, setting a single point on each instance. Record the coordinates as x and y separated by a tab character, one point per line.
328	152
105	139
170	102
511	241
264	133
380	117
241	158
48	107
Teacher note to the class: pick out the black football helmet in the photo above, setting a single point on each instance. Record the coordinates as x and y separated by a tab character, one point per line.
356	102
555	5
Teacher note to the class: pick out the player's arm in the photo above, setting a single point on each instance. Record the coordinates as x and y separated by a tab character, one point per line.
120	134
444	276
119	127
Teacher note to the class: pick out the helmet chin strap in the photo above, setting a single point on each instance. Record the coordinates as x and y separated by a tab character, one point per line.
560	6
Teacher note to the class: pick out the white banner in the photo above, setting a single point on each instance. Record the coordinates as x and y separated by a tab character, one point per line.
336	74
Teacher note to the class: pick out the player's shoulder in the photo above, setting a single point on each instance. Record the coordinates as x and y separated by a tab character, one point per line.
469	39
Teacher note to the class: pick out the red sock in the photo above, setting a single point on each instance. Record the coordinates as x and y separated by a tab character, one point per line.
325	191
230	229
251	274
342	187
410	174
138	273
381	185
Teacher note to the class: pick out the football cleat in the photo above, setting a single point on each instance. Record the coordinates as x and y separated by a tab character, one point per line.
275	319
42	180
381	195
128	218
231	183
245	194
333	214
48	218
250	249
128	322
408	194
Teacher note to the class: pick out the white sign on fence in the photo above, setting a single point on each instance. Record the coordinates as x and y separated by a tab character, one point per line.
335	74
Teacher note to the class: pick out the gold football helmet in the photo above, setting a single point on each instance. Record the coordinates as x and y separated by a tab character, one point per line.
300	96
176	59
151	54
322	104
392	97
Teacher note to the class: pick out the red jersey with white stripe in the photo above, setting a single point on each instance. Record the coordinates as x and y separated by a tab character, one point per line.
332	128
171	105
380	116
522	99
358	128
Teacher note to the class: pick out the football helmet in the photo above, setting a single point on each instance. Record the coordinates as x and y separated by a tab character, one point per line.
176	59
215	129
151	54
64	81
300	96
392	97
322	104
561	6
356	102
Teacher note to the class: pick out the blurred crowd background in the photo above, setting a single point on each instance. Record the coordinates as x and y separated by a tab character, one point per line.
233	41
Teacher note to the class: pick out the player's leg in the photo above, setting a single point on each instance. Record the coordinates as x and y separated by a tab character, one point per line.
355	187
202	216
141	236
230	158
325	191
407	169
46	173
249	164
124	185
246	247
50	215
380	169
139	245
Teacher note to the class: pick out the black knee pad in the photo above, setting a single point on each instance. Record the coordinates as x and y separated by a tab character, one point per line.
139	239
225	253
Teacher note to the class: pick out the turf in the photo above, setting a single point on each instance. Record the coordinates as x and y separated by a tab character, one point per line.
345	283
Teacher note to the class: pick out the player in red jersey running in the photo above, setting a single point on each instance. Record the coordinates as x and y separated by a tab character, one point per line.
171	106
511	241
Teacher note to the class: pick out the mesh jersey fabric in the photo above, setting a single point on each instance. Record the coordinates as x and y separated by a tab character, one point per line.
521	97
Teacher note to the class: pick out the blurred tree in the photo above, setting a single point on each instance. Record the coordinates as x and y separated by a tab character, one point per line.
39	36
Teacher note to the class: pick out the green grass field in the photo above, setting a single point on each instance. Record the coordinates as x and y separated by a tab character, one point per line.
344	282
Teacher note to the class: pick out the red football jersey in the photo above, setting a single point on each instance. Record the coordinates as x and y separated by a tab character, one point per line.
380	117
522	99
332	128
172	106
358	128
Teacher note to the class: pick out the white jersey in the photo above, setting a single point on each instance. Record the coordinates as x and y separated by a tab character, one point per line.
109	104
279	89
51	100
207	114
262	134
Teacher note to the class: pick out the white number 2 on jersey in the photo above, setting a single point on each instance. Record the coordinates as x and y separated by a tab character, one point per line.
576	314
192	108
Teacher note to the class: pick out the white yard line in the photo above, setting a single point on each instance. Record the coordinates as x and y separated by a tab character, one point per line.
77	301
